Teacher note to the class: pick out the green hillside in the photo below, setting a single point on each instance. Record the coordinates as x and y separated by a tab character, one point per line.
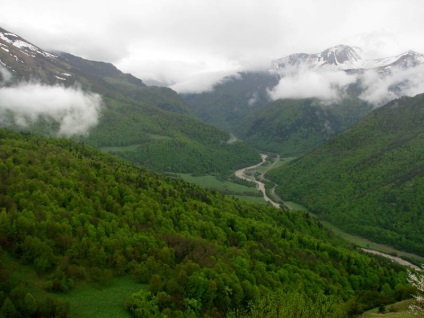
71	214
368	180
293	127
153	126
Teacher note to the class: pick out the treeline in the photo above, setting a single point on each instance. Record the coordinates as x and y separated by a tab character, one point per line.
75	214
368	180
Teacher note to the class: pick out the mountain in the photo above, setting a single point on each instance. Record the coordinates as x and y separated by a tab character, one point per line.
147	125
344	57
71	216
249	104
233	99
368	180
340	57
292	127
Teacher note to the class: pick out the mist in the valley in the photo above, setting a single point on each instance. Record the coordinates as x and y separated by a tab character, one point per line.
75	110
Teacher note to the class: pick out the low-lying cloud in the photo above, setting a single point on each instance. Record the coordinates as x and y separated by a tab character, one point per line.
378	86
5	76
306	83
379	89
203	82
75	110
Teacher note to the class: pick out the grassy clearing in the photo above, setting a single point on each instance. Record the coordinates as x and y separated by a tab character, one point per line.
211	182
91	301
296	206
120	149
363	242
397	310
250	199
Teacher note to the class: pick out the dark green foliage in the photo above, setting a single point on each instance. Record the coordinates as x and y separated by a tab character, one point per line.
370	179
292	127
78	214
232	100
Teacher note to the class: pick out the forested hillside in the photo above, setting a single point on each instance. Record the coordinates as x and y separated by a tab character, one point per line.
75	214
292	127
368	180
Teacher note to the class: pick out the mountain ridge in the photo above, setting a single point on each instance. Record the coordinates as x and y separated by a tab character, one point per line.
343	57
367	180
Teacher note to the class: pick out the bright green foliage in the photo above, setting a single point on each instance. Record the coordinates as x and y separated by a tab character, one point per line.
76	214
368	180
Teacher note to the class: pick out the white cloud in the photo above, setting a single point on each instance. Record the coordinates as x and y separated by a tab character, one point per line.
306	83
380	89
75	110
165	39
5	76
203	82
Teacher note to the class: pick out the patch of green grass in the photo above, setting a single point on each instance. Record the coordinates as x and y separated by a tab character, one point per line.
212	182
250	199
296	206
121	149
397	310
91	301
363	242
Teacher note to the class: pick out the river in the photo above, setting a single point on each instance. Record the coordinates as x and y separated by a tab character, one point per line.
259	185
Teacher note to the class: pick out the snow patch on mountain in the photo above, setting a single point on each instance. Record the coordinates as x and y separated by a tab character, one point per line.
21	44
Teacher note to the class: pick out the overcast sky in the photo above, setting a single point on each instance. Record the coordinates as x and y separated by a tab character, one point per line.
179	41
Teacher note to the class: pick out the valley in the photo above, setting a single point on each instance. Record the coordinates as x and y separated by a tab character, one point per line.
253	197
252	174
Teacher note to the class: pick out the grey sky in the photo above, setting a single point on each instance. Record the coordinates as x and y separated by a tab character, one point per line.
180	41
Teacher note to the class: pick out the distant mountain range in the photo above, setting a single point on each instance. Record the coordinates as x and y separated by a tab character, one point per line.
344	57
260	108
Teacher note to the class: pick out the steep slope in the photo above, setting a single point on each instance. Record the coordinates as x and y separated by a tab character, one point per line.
149	125
368	180
292	127
74	214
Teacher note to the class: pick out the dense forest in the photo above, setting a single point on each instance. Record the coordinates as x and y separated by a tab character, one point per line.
292	127
368	180
75	214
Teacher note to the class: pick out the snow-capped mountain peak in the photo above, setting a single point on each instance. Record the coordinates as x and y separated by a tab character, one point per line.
9	41
339	57
344	57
